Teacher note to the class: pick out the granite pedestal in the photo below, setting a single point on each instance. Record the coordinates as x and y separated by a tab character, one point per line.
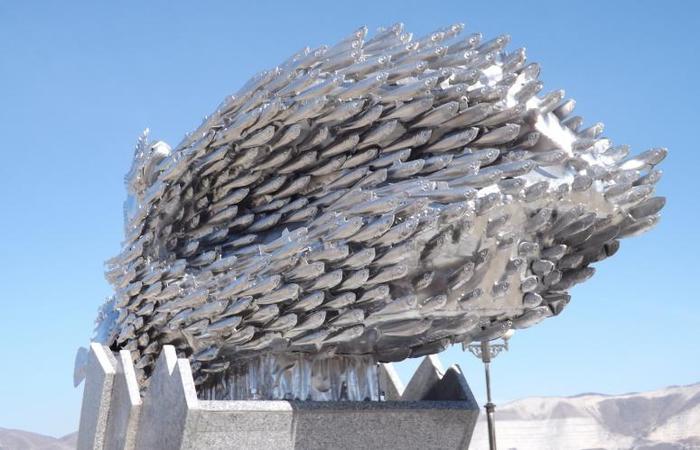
436	411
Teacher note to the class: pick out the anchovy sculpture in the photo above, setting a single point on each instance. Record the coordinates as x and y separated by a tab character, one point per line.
371	201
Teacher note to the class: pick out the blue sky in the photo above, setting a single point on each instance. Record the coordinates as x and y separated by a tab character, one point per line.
79	81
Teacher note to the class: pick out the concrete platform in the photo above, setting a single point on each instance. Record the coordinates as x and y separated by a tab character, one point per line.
439	412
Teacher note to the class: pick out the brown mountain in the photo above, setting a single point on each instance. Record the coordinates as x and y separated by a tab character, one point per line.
25	440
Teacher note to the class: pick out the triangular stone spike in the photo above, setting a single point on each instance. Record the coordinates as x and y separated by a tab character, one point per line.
97	398
390	382
122	426
165	364
170	396
452	387
426	376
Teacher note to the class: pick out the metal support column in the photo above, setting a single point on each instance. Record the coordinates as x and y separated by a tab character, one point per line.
486	352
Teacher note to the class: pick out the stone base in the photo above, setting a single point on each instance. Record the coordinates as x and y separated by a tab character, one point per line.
435	411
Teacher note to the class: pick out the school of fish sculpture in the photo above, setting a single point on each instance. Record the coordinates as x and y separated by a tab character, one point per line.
366	202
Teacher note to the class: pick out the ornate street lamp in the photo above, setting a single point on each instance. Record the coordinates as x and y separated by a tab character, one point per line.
486	351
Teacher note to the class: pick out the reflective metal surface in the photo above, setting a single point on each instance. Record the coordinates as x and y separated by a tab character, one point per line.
386	196
297	376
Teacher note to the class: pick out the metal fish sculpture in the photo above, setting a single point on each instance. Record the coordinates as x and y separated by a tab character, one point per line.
370	201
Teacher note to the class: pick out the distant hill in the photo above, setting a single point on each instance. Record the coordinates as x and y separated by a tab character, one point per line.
24	440
667	419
